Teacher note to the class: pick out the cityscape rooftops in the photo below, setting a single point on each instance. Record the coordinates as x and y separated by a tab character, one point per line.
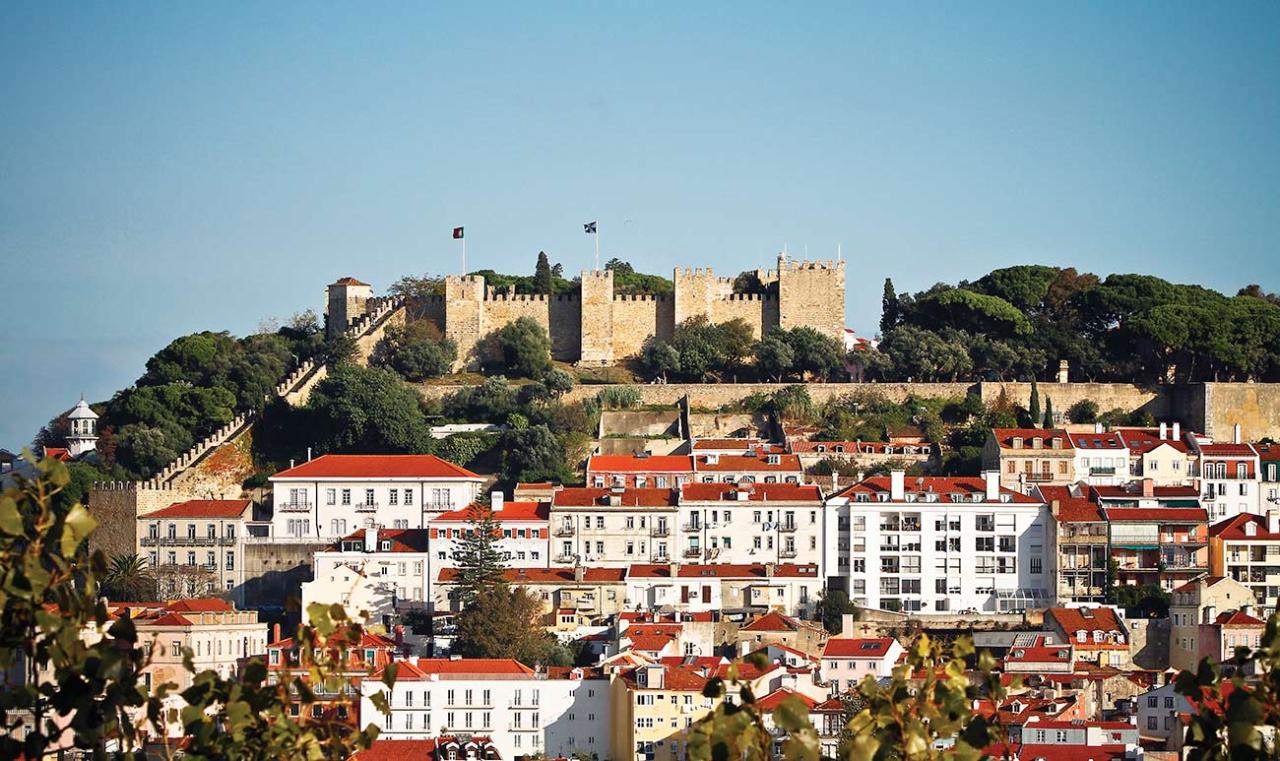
628	463
377	466
857	647
202	508
1025	438
577	496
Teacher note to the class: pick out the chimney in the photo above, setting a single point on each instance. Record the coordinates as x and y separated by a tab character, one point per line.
1164	431
398	632
770	569
673	569
579	572
1055	507
308	454
993	485
371	538
897	485
846	625
1235	434
495	500
1097	427
275	632
1177	431
290	462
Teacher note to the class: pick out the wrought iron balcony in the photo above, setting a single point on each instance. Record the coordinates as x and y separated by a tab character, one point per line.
294	507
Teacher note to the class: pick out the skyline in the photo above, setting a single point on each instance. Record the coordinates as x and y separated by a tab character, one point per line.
168	170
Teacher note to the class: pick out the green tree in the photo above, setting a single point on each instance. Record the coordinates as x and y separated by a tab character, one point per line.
503	622
888	308
416	350
479	563
463	448
367	410
774	357
128	579
557	382
1083	411
1033	409
491	402
833	606
1048	412
533	454
660	359
542	274
816	355
525	347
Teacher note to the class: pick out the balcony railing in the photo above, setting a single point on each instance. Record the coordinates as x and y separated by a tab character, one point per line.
563	558
565	531
178	541
693	552
787	552
1038	477
787	527
691	527
366	507
1102	471
659	531
294	507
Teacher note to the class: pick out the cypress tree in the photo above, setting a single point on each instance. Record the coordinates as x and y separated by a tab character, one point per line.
889	312
480	565
1048	412
542	274
1034	410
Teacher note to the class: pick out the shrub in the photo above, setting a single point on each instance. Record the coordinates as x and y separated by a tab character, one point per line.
1083	411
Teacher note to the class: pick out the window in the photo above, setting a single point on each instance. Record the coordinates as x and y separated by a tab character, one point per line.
1037	565
408	496
346	496
368	496
393	497
984	543
330	496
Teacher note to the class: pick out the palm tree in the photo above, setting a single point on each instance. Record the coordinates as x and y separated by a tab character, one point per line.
128	580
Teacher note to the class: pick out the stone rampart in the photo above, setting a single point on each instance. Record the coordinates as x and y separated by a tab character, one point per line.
1158	400
1255	406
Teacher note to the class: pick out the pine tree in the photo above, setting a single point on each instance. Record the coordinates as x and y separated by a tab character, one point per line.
542	273
1034	409
889	312
1048	412
480	565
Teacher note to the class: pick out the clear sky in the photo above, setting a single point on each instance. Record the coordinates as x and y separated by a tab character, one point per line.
172	167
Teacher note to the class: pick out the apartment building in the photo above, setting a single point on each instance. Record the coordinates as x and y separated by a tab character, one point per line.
1229	479
654	706
1027	456
524	537
1101	458
1079	537
639	471
750	523
1160	454
846	661
1197	605
1269	470
1097	634
864	454
613	527
790	588
1156	535
327	498
200	541
554	713
355	663
580	591
374	574
1246	549
940	545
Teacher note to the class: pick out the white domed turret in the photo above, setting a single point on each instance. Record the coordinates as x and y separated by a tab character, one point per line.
83	436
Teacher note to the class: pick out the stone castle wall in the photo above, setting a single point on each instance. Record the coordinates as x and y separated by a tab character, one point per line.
600	327
1255	406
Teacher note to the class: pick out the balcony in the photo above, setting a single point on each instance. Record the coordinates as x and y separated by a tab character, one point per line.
294	507
695	526
659	531
693	552
226	541
787	552
1111	471
564	531
565	558
787	527
1038	478
366	507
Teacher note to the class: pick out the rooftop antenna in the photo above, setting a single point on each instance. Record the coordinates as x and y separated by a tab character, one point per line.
839	252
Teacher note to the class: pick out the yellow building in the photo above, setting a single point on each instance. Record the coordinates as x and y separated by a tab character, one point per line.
653	708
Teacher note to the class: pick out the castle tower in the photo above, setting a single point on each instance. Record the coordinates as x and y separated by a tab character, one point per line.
597	317
464	316
83	436
348	301
811	294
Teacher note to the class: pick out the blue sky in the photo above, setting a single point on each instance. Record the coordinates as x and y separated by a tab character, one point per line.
173	167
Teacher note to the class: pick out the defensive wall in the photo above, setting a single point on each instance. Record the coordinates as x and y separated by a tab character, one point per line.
1213	408
597	326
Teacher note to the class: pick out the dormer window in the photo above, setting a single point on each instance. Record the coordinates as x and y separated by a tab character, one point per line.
1037	442
1017	442
840	448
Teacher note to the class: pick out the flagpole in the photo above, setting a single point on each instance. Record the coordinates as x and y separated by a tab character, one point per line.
464	252
597	246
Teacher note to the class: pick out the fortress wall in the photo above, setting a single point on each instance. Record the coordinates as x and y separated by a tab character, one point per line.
811	294
1255	406
565	316
1108	396
498	311
636	318
597	318
696	291
758	311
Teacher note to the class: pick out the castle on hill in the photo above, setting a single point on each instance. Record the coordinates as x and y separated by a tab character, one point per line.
598	327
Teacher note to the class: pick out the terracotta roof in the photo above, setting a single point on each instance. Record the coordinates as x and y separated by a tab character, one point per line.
626	463
733	463
547	575
589	497
679	678
1143	440
857	647
200	605
201	508
1238	618
171	619
348	281
1157	514
61	454
1066	752
510	512
755	492
859	447
1039	654
774	699
423	668
402	539
1268	452
398	750
1074	506
1088	620
377	466
649	642
1098	441
944	487
773	621
1005	436
1234	528
1227	450
367	640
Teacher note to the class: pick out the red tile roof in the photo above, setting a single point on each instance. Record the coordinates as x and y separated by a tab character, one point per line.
398	750
626	463
649	643
857	647
944	487
1088	620
378	466
774	699
732	463
1233	529
200	605
511	512
547	575
1143	440
423	668
1074	506
1238	618
1227	450
724	571
589	497
1157	514
773	621
1096	441
755	492
859	447
202	508
1066	752
61	454
1039	654
1005	436
1268	452
678	678
171	619
1208	581
367	640
348	281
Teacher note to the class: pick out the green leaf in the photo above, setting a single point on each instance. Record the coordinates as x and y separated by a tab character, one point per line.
389	674
76	528
791	714
10	518
318	615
